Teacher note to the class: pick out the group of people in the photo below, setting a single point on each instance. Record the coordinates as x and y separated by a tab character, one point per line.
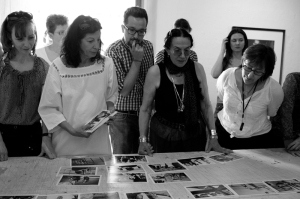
162	102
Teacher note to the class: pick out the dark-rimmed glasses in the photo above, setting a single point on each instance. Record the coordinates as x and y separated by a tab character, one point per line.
132	31
178	52
248	70
85	24
19	15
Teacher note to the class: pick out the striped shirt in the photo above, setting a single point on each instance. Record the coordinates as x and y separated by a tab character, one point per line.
119	51
159	57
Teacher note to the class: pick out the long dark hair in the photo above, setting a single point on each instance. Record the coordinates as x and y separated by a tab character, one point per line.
228	53
81	26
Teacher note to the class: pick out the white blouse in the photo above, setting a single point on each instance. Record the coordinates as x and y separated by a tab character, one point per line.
76	95
264	103
41	52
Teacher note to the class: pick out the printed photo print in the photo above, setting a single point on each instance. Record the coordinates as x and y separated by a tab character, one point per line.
96	120
78	180
251	189
223	158
173	166
283	186
169	177
197	161
126	177
18	197
58	196
149	195
209	191
125	169
108	195
123	159
87	161
77	171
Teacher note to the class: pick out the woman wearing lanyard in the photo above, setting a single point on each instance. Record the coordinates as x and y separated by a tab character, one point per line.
249	96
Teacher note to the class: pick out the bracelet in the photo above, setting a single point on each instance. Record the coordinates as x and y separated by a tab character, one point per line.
214	136
137	60
213	132
143	139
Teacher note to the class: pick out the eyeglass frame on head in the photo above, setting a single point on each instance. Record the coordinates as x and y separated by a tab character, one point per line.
84	25
249	70
19	15
135	31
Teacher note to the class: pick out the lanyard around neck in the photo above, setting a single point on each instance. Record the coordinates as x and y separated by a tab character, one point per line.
243	97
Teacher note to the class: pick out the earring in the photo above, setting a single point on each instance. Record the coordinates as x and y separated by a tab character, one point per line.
12	46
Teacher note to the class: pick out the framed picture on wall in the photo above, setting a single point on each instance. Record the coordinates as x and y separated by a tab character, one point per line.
270	37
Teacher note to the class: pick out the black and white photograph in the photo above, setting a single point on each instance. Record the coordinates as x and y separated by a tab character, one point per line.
149	195
106	195
197	161
98	120
223	158
123	159
77	171
283	186
72	180
126	177
258	188
164	167
125	169
209	191
169	177
87	161
18	197
59	196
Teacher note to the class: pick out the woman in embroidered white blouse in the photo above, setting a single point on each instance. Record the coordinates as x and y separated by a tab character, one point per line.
249	96
80	84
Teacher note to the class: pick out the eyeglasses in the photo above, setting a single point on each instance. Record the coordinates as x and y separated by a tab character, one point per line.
60	33
132	31
248	70
85	24
19	15
178	52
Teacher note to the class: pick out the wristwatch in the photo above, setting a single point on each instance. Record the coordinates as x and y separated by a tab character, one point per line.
143	139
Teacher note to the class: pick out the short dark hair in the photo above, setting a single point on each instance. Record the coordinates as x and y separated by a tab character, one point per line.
75	33
176	33
228	54
136	12
18	20
55	20
183	23
263	56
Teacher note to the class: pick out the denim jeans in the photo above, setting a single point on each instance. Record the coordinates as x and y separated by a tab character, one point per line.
124	132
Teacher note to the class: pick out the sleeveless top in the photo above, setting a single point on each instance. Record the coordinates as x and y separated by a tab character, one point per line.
165	98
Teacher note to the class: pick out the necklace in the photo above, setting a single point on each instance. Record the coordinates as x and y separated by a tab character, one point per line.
180	105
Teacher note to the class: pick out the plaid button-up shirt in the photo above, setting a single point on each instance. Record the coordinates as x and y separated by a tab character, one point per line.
119	51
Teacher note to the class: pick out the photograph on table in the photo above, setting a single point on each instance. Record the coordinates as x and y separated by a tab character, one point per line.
223	158
123	159
164	167
105	195
283	186
126	177
77	171
59	196
125	169
210	191
169	177
197	161
76	180
258	188
24	196
149	195
87	161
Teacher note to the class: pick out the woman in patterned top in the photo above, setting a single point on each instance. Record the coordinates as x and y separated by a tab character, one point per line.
22	77
80	84
183	24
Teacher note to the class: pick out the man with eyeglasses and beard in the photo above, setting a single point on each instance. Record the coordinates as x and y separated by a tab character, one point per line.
132	56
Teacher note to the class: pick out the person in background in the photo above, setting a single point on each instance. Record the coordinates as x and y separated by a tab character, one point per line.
57	26
232	49
80	84
183	24
183	109
2	56
22	76
287	121
249	95
132	56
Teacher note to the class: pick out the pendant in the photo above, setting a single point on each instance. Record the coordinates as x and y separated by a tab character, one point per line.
181	108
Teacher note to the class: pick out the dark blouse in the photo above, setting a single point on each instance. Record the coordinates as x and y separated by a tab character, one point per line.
20	92
288	116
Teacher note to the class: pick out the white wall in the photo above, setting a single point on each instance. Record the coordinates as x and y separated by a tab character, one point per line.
212	20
